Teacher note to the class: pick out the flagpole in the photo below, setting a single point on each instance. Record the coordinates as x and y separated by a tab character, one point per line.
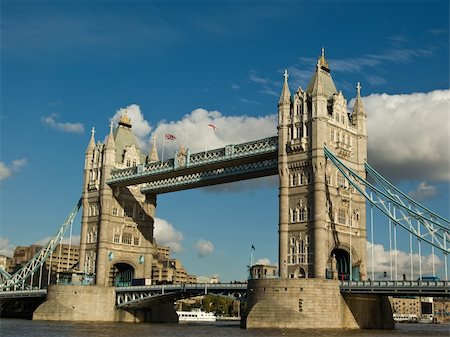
164	143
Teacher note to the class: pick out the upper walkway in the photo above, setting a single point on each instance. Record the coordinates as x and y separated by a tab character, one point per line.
227	164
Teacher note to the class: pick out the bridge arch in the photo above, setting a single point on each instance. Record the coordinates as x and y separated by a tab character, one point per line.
121	274
340	263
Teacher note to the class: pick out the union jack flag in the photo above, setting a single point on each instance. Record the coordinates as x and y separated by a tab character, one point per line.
169	136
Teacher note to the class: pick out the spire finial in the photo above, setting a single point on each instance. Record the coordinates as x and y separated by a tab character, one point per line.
358	89
111	125
322	62
285	93
92	132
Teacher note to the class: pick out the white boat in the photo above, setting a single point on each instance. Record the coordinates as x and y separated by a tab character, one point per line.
196	315
405	318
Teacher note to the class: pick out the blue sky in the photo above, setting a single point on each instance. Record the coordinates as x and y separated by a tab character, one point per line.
69	66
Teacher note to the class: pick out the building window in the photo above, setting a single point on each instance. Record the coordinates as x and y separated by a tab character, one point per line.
93	209
128	162
294	215
302	215
294	180
127	238
128	210
116	238
136	241
115	211
342	216
341	180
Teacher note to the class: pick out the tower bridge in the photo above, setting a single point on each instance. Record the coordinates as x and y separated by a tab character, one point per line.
320	157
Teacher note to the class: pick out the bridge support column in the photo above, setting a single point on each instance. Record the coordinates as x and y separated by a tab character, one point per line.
78	303
312	304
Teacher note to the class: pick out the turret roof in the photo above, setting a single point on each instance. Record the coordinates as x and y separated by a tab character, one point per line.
322	75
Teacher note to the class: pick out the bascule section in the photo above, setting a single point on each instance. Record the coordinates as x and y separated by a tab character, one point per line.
322	228
116	243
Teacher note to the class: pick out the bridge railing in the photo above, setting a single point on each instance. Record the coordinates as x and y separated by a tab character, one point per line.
390	283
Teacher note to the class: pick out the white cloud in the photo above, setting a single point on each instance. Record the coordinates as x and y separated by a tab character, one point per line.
264	261
382	263
139	125
423	192
204	247
166	235
193	132
50	121
7	170
409	135
6	248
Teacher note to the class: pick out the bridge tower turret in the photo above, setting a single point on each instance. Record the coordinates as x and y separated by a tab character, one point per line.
284	109
322	229
116	243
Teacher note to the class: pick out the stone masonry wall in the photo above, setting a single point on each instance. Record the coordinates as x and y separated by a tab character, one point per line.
78	303
310	304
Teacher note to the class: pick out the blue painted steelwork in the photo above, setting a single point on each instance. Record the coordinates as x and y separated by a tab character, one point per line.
19	277
222	158
437	232
145	296
203	178
394	288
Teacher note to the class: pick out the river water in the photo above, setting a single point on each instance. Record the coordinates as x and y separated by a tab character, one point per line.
27	328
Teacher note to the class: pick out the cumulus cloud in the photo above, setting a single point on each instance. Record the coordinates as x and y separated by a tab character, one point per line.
7	170
409	135
264	261
140	126
6	248
204	247
382	262
166	235
423	192
192	131
50	121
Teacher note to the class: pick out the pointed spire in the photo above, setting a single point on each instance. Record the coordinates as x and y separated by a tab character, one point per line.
91	144
153	153
358	108
285	92
317	89
110	141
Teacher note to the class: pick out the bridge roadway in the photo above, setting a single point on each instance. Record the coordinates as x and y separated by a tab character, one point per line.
143	296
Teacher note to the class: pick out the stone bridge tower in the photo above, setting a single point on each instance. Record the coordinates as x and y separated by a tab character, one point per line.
116	243
322	224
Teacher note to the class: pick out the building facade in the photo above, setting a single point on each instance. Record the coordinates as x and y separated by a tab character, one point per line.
166	270
116	243
322	228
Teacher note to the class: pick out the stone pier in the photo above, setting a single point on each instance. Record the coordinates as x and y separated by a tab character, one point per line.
96	304
312	304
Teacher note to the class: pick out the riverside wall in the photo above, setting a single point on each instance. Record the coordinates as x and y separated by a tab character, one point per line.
312	304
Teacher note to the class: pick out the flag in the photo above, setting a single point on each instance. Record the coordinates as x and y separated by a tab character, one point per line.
213	126
170	137
253	247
